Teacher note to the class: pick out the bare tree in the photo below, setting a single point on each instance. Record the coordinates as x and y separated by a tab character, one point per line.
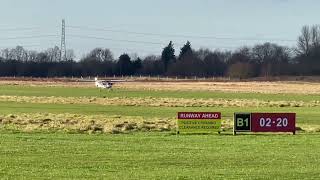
107	55
315	32
101	54
304	41
53	54
20	53
202	53
70	55
152	65
32	56
270	53
5	54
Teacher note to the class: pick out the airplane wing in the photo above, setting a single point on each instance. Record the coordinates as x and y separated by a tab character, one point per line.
103	80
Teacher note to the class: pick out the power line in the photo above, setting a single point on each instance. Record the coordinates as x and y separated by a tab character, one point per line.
118	40
19	29
128	41
24	46
156	34
136	50
100	38
182	36
29	37
131	41
91	37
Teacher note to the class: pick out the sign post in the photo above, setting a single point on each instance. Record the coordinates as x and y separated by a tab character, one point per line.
199	122
264	122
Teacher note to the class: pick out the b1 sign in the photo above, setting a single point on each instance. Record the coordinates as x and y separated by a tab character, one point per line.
264	122
273	122
199	122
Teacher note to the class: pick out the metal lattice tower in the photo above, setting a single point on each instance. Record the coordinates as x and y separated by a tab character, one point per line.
63	52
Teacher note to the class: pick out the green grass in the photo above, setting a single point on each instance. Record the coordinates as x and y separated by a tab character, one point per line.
159	156
156	155
80	92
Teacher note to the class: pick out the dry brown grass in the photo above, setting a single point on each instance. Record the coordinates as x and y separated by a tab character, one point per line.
84	123
76	123
157	102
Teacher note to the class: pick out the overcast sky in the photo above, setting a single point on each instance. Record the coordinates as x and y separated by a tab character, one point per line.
146	26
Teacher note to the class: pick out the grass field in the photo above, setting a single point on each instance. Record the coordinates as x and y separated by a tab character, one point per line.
159	156
54	132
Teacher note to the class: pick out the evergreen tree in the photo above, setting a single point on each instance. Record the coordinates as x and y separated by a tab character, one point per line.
185	49
168	56
137	65
124	65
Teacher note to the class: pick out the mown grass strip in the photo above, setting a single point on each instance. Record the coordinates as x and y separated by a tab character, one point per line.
94	92
158	156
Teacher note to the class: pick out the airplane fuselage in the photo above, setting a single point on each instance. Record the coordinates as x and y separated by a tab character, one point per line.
103	84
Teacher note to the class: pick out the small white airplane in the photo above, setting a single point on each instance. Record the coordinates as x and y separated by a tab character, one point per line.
105	84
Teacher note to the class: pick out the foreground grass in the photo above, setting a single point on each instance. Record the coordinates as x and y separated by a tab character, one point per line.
159	156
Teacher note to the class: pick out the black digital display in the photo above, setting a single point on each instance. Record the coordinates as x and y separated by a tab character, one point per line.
242	122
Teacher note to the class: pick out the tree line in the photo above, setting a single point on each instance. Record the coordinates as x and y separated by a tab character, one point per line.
266	59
